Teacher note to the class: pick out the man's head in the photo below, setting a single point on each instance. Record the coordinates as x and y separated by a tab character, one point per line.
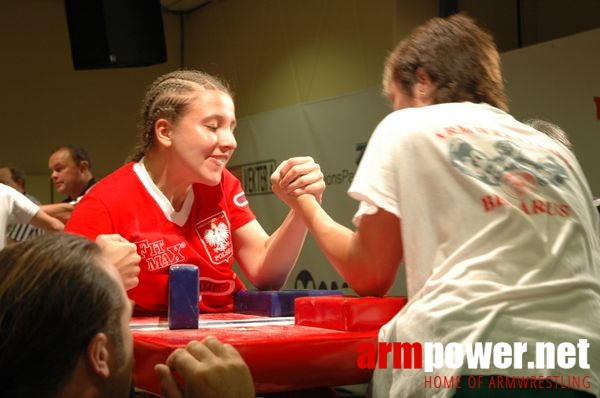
64	320
553	131
13	178
446	60
70	170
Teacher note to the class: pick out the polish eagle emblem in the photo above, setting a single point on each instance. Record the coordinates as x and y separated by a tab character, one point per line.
217	236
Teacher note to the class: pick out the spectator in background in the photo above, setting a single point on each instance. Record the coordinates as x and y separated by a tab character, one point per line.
71	172
64	330
554	131
15	178
16	208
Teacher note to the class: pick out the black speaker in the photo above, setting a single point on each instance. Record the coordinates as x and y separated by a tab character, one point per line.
448	7
115	33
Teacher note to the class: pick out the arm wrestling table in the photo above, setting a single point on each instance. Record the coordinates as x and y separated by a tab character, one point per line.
283	353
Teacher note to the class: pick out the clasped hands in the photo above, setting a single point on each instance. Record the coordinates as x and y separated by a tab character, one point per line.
298	176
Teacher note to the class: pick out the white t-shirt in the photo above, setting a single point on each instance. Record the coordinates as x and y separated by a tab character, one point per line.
15	208
500	238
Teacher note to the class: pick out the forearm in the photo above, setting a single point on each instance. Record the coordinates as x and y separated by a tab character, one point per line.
367	259
62	211
50	224
278	253
281	251
334	239
351	256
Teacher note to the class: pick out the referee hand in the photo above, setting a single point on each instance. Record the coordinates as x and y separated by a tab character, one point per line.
205	369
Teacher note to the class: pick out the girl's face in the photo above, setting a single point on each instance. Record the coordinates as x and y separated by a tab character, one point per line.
202	142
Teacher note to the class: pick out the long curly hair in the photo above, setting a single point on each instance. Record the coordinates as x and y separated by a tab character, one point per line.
460	57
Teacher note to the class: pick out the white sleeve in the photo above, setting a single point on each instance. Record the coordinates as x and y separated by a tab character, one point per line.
20	208
374	183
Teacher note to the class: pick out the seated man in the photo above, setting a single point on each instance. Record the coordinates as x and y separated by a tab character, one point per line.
71	172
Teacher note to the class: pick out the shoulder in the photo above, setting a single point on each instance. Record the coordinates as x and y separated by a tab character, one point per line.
108	192
33	199
13	195
119	179
230	180
5	190
14	201
399	127
423	122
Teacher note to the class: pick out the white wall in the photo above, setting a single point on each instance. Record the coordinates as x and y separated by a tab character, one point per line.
557	81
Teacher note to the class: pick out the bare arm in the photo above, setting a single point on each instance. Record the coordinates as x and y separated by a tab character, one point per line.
268	260
368	258
42	220
62	211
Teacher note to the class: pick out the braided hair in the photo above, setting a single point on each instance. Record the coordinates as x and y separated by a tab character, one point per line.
168	97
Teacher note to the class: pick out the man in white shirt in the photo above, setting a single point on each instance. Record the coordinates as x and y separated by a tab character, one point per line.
15	178
16	208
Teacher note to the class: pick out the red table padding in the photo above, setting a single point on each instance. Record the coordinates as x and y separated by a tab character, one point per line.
281	357
346	312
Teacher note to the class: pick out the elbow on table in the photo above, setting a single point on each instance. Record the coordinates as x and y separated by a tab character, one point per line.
268	281
371	286
370	291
